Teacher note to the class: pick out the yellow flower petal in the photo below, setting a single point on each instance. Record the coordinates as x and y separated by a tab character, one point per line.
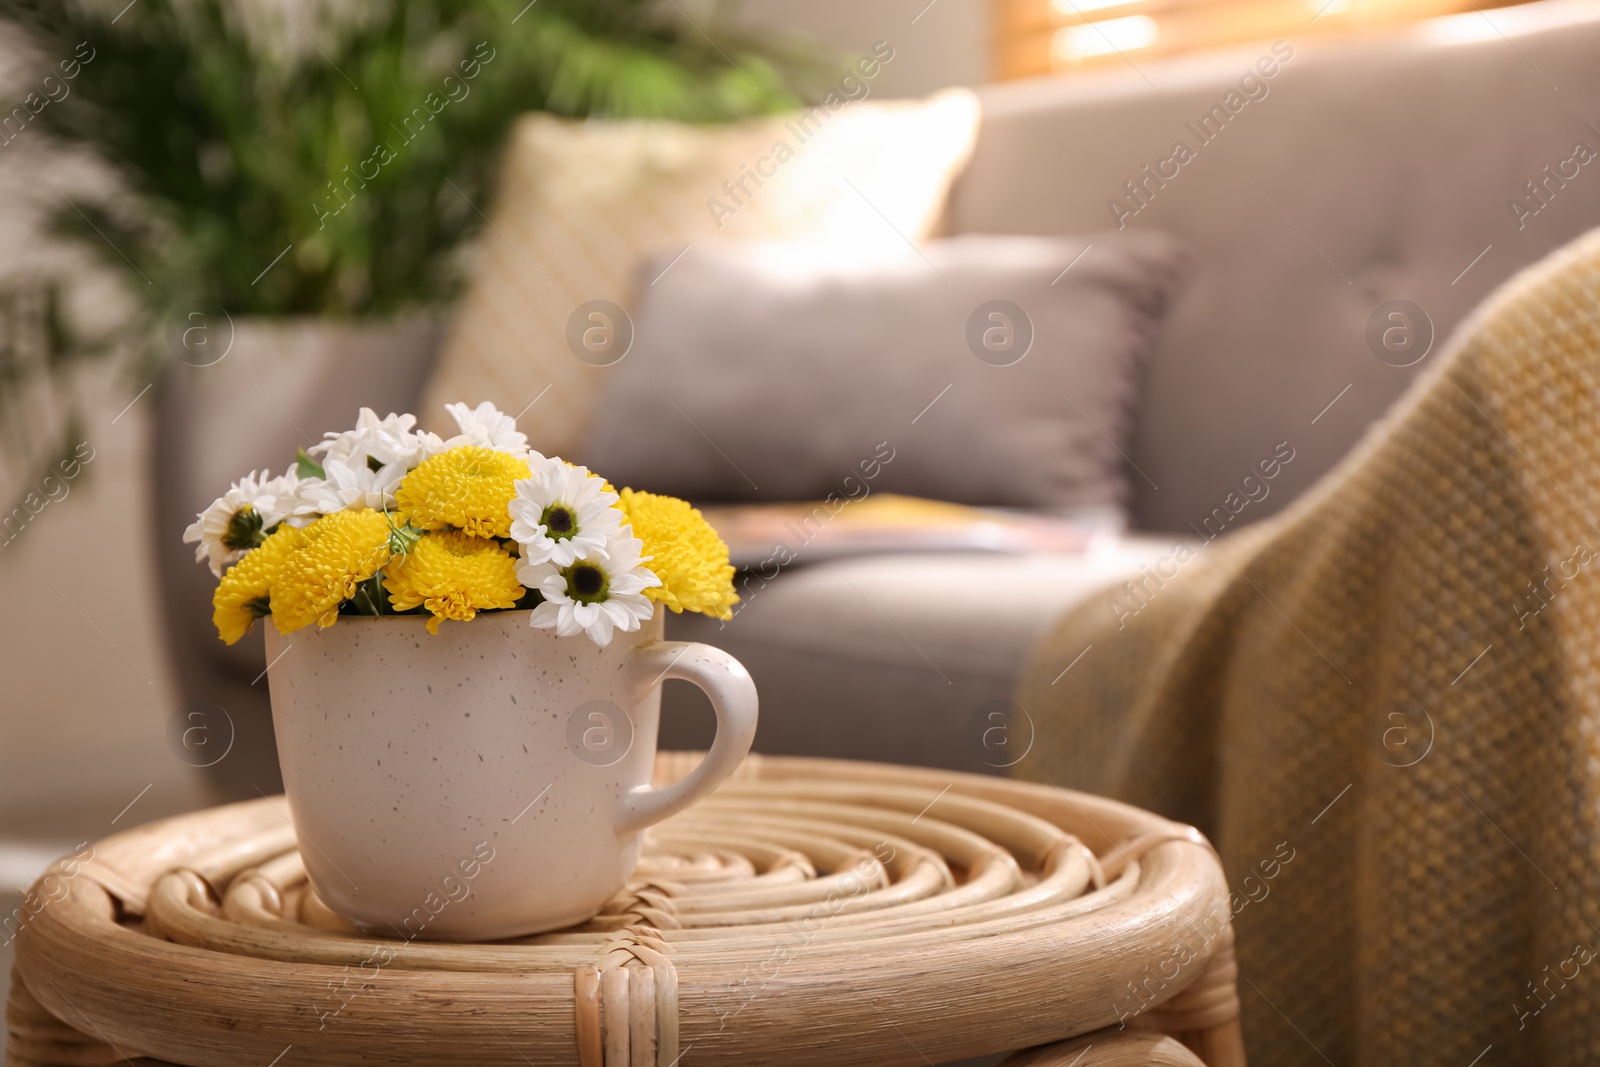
243	594
454	575
685	553
336	554
469	488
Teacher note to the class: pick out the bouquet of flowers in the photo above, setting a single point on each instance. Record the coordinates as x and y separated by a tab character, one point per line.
386	519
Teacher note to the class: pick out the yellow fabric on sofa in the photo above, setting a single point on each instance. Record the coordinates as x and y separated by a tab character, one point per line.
581	206
1394	683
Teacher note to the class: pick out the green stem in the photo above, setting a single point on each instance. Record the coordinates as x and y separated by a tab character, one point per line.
369	598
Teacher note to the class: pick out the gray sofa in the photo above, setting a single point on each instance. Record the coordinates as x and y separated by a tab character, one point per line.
1360	173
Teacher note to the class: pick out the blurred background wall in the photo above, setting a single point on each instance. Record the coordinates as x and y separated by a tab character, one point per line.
86	684
937	44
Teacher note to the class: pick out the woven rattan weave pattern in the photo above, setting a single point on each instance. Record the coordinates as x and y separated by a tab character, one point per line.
809	911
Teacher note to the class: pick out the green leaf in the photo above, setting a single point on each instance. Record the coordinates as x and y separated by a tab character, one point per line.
338	180
306	467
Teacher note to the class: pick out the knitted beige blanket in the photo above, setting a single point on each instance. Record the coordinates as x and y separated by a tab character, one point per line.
1393	684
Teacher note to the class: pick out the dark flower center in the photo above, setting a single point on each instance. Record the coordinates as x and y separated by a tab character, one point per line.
244	530
559	522
586	583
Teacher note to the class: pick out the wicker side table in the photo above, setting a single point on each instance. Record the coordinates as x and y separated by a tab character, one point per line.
810	911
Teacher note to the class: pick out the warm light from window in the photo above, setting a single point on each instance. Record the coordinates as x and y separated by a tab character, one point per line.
1101	38
1465	28
1078	7
1036	37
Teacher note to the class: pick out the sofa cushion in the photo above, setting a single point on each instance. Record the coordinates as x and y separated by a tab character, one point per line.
992	369
581	204
906	659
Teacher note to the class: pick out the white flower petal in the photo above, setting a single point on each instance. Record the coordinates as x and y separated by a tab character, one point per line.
568	626
600	631
350	485
273	499
391	439
627	614
624	606
488	427
554	482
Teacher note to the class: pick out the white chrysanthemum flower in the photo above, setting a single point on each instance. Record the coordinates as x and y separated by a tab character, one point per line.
593	596
379	442
487	427
240	519
350	485
563	514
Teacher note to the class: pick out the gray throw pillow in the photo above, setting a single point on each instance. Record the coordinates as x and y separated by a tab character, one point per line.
981	369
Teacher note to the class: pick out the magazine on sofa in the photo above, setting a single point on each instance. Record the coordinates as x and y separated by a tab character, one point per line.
888	523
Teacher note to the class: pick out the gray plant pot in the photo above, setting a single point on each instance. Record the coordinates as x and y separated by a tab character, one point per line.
242	396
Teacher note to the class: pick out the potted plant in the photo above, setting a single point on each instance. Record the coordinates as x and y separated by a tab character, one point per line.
471	657
329	165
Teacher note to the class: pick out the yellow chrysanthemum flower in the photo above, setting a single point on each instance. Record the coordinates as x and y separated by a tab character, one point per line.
337	553
244	594
684	552
468	487
454	575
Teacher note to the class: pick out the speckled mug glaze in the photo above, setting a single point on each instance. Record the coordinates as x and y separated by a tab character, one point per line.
459	786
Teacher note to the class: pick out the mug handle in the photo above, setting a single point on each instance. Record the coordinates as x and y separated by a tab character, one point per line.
733	698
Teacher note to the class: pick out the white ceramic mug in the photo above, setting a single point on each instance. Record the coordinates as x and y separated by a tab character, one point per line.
489	780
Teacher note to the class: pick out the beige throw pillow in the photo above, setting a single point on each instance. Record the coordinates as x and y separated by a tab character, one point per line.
581	205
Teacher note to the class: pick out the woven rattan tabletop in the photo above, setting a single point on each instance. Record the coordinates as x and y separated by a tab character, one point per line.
810	911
